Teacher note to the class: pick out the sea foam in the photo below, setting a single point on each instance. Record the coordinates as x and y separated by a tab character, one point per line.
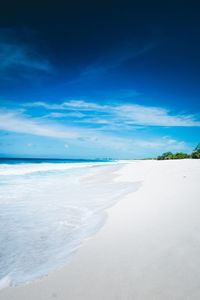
45	216
5	282
22	169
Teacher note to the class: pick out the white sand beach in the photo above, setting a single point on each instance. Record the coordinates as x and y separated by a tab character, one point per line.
149	247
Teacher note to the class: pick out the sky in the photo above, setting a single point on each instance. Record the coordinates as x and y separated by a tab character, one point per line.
101	79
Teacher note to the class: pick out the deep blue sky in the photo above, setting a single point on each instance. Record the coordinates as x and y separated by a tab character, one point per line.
99	79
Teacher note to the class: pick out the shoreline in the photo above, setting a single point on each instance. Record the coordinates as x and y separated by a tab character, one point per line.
147	249
99	175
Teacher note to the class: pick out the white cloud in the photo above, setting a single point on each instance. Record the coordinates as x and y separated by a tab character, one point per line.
71	104
59	115
164	143
44	105
83	105
153	116
125	114
90	138
16	122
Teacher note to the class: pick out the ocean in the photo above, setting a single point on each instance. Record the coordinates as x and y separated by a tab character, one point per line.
47	209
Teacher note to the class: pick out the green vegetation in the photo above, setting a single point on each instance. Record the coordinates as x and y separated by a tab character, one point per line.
180	155
170	155
196	152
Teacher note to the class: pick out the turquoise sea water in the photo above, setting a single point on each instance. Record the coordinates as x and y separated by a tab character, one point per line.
47	209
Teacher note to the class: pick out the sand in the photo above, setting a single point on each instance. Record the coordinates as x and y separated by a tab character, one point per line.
149	247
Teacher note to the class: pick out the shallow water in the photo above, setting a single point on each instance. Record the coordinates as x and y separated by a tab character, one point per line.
46	211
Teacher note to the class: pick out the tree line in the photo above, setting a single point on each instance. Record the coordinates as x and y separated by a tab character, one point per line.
180	155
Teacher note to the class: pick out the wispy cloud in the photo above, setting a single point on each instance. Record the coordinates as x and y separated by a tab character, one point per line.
14	56
59	115
125	114
17	122
165	142
154	116
72	105
116	59
18	56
